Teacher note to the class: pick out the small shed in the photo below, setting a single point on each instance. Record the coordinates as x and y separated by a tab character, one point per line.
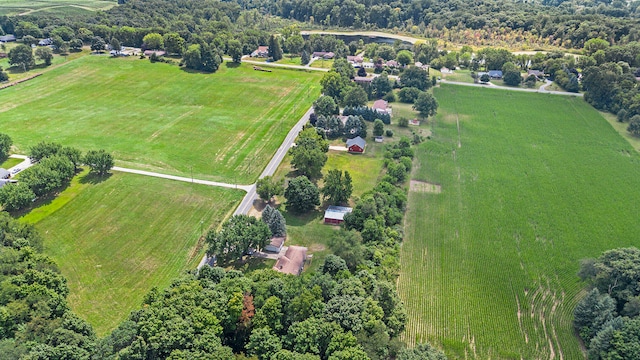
275	245
4	173
324	54
292	262
334	215
379	139
356	145
495	74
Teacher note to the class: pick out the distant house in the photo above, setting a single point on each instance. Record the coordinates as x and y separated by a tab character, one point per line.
323	54
368	65
381	106
334	215
392	64
356	145
275	245
292	262
379	139
159	53
495	74
261	51
7	38
537	73
445	70
362	80
355	60
45	42
415	122
4	173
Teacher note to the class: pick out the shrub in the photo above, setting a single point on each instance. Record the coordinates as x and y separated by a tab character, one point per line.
403	122
389	133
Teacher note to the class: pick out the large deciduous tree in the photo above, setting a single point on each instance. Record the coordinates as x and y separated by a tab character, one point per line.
381	85
16	196
45	54
325	105
97	44
426	105
310	153
174	43
334	84
237	235
337	187
415	77
5	146
422	351
234	49
355	96
99	161
153	41
302	195
22	56
268	187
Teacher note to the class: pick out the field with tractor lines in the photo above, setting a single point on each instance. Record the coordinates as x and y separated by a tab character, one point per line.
512	191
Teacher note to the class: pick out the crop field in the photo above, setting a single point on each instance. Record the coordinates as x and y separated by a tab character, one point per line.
25	7
530	184
116	239
223	126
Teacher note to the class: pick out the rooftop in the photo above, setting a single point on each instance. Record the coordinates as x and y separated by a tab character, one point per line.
337	212
292	261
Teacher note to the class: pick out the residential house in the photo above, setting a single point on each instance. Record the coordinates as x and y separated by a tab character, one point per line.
356	145
275	245
392	64
445	70
159	53
379	139
261	51
4	173
293	260
45	42
324	55
361	80
355	60
7	38
381	106
334	215
537	73
495	74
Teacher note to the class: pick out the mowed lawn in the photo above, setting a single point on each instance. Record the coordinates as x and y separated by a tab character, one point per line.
531	184
223	126
114	240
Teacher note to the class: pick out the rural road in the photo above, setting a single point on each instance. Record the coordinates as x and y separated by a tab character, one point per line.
181	178
286	66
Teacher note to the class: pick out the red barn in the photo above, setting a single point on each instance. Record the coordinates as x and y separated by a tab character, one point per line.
334	215
356	145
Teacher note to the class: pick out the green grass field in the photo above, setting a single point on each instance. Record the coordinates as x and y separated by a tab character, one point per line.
223	126
114	240
10	162
24	7
17	73
531	184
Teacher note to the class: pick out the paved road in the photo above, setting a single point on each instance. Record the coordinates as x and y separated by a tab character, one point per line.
270	169
491	86
372	34
185	179
25	164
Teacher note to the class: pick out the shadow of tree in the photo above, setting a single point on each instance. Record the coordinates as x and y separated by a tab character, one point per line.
232	65
94	179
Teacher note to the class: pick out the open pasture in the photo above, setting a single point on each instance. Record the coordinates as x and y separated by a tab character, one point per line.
223	126
27	7
531	184
116	239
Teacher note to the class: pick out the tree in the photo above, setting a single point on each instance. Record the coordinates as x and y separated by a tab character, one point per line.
97	44
381	85
234	49
294	44
634	125
378	128
304	58
426	105
5	146
325	106
268	187
210	57
415	77
355	126
344	68
404	57
422	351
22	56
275	52
174	43
263	343
76	44
115	44
153	41
16	196
595	44
408	94
3	76
485	78
309	155
362	72
337	188
276	222
237	235
333	84
192	59
45	54
512	78
355	96
302	195
99	161
348	246
43	149
592	312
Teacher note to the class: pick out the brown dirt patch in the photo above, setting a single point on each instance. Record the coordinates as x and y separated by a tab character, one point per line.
316	247
425	187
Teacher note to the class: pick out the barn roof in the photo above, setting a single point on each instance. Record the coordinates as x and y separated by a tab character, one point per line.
292	261
356	141
380	104
336	212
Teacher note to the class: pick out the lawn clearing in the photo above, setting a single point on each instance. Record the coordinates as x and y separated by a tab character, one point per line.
531	184
17	73
116	239
27	7
10	162
223	126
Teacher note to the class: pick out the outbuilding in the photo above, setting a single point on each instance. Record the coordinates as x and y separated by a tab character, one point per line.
275	245
293	260
334	215
356	145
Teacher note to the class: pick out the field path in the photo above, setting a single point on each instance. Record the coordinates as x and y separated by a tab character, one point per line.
491	86
181	178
